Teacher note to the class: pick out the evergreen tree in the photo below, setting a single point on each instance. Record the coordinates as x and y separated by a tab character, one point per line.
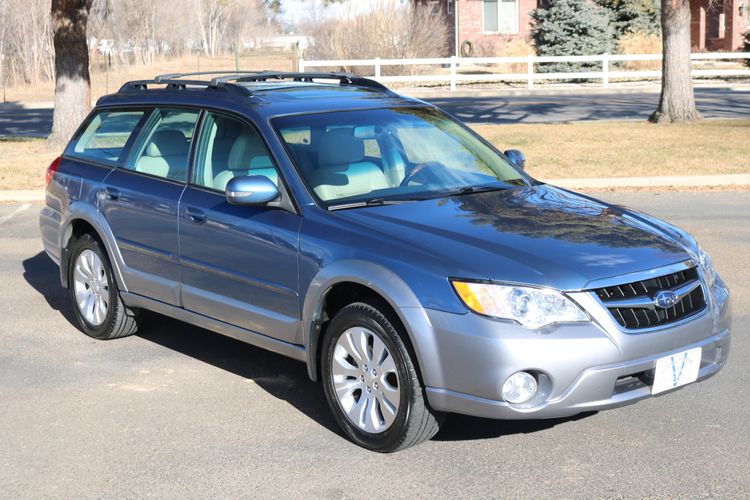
633	16
568	28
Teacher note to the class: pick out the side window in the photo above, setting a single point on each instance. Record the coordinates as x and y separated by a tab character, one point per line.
229	148
298	135
163	148
106	135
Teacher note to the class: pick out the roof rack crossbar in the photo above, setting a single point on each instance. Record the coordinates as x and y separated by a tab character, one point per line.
262	76
174	76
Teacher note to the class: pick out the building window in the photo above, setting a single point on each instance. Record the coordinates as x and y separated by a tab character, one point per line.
449	7
500	16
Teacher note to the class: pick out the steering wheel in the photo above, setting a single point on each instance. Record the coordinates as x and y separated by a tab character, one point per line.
426	166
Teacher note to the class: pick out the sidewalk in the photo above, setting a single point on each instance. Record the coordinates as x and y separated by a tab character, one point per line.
695	181
613	183
480	91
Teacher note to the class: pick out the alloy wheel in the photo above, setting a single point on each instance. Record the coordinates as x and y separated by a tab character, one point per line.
91	287
365	380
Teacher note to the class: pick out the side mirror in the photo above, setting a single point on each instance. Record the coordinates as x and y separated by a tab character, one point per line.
517	157
251	190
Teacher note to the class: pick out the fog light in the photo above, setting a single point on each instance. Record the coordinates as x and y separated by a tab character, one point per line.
519	387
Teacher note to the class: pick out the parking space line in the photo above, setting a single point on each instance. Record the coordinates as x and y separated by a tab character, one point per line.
6	218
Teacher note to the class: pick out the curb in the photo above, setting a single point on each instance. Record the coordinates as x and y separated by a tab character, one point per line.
696	181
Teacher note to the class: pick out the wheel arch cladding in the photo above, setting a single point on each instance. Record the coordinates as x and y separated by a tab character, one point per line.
346	282
84	219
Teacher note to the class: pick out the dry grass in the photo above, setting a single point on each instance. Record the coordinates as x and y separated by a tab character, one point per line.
640	43
626	149
577	150
23	163
103	82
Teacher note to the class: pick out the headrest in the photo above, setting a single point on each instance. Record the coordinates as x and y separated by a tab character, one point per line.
245	147
167	143
340	147
261	162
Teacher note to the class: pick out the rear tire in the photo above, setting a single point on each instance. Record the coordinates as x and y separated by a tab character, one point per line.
94	294
371	382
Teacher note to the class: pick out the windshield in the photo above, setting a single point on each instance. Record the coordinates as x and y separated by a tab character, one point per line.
389	155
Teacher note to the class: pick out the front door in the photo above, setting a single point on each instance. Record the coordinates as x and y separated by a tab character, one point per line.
239	263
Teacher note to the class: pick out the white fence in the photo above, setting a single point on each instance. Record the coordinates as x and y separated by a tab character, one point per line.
531	75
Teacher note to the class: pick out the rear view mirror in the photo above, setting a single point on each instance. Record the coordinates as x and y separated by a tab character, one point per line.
251	190
367	132
517	157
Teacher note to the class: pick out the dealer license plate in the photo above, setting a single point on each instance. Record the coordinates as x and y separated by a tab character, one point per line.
676	370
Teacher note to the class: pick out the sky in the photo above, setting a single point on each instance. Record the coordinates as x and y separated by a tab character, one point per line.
296	11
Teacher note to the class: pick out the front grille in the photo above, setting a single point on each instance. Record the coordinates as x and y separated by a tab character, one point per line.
632	304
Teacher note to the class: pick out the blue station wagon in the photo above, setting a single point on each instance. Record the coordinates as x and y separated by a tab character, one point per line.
413	267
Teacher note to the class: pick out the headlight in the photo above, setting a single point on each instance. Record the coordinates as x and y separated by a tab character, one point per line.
707	266
531	307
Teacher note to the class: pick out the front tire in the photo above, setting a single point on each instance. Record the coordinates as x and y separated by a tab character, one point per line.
371	383
94	293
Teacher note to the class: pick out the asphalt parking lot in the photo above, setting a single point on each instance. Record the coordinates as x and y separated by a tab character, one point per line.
179	412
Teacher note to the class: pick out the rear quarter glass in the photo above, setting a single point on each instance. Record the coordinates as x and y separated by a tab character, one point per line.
105	136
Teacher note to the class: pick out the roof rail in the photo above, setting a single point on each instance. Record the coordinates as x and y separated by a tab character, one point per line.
179	84
230	80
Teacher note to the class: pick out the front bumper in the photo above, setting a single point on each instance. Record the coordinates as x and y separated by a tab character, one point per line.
583	367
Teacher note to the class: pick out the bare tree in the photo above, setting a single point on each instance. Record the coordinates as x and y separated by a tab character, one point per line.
212	20
387	29
677	101
3	21
72	79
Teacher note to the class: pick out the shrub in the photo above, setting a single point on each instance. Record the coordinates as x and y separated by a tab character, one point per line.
640	43
746	39
571	27
505	48
390	29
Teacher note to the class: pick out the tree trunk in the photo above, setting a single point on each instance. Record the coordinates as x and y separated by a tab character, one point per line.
72	79
677	101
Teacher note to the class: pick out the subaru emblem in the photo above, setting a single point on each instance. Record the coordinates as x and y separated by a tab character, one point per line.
665	299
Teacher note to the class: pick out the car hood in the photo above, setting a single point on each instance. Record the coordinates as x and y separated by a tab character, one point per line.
537	235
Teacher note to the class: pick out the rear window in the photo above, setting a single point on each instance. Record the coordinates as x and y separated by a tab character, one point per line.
105	136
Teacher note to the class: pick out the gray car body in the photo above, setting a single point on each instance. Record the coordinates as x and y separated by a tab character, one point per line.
536	235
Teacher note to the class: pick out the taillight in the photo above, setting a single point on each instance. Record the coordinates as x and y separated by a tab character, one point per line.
52	169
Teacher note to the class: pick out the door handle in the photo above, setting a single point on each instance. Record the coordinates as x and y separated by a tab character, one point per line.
195	215
111	194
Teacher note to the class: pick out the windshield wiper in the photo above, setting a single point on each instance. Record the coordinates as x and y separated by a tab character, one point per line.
373	202
476	189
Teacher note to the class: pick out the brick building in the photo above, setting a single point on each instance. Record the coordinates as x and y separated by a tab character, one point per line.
716	24
484	21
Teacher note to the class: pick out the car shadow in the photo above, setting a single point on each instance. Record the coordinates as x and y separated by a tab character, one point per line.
282	377
465	428
43	275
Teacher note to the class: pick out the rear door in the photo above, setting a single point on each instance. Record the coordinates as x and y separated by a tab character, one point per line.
140	200
239	263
